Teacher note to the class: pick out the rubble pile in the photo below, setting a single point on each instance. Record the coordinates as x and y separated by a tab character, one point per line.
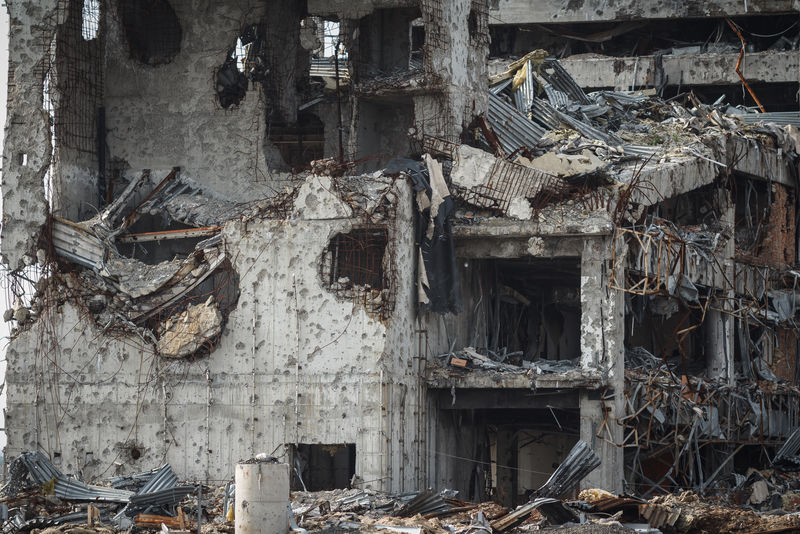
594	511
503	365
38	495
544	140
40	499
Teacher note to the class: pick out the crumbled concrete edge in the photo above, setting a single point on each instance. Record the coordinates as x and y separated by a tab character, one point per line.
27	150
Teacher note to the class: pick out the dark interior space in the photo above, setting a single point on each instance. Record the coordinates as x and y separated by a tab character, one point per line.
385	43
632	38
503	444
669	330
301	143
778	96
323	467
154	251
152	29
532	307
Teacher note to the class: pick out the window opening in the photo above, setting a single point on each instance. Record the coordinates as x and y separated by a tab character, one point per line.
356	258
91	19
330	37
320	467
246	62
355	267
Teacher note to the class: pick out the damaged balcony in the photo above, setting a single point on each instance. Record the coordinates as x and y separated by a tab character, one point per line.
520	328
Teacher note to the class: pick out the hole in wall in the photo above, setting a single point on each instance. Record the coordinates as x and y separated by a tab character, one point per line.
356	265
320	467
219	291
417	53
130	450
356	259
472	24
152	29
246	62
22	158
330	54
330	38
90	23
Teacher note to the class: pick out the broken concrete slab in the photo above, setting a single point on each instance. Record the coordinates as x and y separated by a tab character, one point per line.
471	166
186	333
486	181
564	164
137	279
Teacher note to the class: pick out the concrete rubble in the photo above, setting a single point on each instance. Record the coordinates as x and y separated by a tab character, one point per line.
154	500
185	334
552	290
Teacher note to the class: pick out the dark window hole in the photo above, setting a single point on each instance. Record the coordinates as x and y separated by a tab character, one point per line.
246	62
323	467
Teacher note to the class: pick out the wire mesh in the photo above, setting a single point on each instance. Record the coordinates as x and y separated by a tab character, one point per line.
354	267
72	75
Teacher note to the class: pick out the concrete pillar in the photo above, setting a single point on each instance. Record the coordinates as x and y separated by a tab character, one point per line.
718	343
262	494
286	55
602	438
593	301
602	349
506	462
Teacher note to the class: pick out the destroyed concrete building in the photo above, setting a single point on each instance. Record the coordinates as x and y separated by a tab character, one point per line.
338	231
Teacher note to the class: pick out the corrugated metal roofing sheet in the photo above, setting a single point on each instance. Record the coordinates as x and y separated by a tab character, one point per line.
513	129
580	461
781	118
41	471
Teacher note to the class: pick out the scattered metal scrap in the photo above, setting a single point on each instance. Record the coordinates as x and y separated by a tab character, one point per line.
32	473
787	456
671	422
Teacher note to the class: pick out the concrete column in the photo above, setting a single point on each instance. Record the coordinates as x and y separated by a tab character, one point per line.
720	327
506	461
262	494
719	345
602	309
602	438
602	349
286	54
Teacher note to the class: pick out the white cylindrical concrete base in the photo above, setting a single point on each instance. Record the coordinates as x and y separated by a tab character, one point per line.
262	494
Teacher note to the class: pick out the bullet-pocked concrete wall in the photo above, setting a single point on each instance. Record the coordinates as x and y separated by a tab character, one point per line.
167	115
27	147
296	364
